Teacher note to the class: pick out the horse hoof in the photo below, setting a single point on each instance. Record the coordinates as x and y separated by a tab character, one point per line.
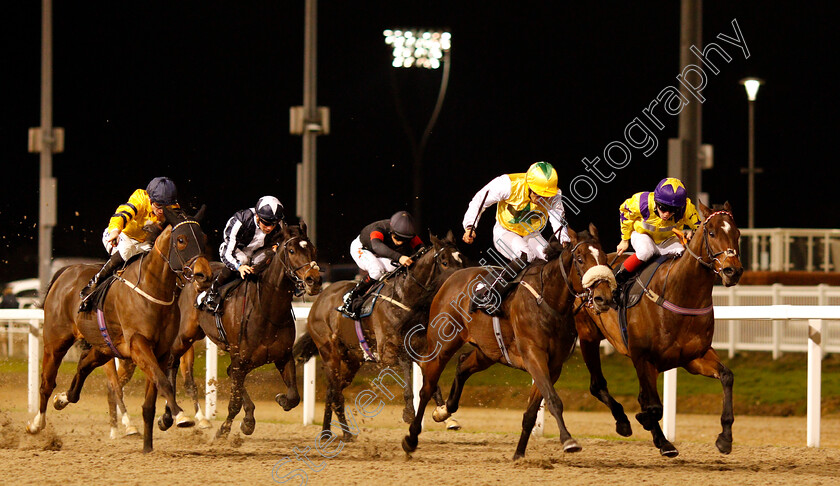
164	422
723	444
114	433
571	445
247	426
409	444
37	424
452	424
183	421
441	413
204	424
60	401
668	450
131	430
348	437
623	429
284	402
518	455
223	432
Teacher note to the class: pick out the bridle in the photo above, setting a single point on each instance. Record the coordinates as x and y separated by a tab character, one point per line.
587	295
292	273
713	257
182	267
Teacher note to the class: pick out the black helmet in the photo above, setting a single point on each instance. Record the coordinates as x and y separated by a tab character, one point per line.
402	224
162	191
269	209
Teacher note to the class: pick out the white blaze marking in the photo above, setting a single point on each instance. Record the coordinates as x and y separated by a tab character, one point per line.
595	252
457	256
726	227
303	244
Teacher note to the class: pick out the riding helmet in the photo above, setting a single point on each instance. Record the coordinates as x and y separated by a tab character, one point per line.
269	209
542	179
670	192
162	191
402	225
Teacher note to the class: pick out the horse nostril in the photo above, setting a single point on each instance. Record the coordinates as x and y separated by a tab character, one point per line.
309	280
729	271
598	299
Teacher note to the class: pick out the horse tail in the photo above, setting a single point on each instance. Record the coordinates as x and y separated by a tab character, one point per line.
304	349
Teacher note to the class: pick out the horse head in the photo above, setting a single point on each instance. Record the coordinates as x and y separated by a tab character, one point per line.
186	248
446	253
297	256
717	247
590	262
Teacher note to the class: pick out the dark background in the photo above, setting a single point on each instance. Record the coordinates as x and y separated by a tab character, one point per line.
200	92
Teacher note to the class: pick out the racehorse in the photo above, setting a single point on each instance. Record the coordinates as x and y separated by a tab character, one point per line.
536	333
334	336
138	319
674	332
257	325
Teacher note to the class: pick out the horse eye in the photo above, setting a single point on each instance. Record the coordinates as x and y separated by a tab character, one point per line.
444	263
291	250
712	234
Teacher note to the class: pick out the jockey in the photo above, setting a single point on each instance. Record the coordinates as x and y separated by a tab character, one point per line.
245	233
651	232
133	229
525	203
379	244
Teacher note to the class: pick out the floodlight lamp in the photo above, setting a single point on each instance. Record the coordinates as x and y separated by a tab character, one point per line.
752	85
416	48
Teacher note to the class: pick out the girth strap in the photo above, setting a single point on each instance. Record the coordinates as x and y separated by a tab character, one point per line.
497	331
100	319
363	342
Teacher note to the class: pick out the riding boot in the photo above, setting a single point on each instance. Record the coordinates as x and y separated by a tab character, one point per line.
625	272
504	282
353	300
115	261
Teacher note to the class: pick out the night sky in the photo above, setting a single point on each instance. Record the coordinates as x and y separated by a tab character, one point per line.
200	92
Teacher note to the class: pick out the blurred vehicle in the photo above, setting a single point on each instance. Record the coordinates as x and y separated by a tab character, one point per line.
27	291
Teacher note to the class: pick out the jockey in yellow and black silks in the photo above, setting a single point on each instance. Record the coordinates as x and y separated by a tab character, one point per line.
526	202
648	220
133	228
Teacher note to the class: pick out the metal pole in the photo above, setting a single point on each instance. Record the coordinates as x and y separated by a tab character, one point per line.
310	109
751	165
690	126
46	211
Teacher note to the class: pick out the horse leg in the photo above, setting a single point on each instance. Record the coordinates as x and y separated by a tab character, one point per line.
343	378
249	422
144	357
710	365
536	363
529	419
591	352
408	392
236	372
469	363
124	375
90	360
116	406
187	365
431	374
651	406
54	352
286	367
149	412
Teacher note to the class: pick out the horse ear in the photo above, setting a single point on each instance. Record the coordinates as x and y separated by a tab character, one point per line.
200	214
593	231
727	207
572	235
434	239
704	210
302	225
450	237
170	216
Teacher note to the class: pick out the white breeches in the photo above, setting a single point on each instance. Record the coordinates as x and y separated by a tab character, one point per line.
374	265
511	245
127	247
645	247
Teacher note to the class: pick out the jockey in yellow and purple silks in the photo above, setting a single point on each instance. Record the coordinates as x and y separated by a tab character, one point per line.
526	203
648	220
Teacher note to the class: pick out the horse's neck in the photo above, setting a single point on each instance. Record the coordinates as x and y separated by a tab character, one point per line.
274	297
416	278
556	292
686	273
154	267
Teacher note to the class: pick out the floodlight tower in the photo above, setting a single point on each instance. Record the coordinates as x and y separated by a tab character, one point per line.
428	49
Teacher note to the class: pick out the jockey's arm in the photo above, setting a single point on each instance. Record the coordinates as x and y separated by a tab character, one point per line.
496	190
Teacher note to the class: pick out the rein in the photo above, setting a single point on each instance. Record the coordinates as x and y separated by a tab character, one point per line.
713	257
291	273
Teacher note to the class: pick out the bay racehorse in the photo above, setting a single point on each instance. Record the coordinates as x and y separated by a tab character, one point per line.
677	331
334	336
139	319
536	332
257	326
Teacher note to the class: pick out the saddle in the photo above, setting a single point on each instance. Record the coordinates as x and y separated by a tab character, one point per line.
369	303
632	291
97	297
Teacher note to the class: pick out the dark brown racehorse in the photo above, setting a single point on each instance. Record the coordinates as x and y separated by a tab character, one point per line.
537	330
334	337
661	339
258	324
140	314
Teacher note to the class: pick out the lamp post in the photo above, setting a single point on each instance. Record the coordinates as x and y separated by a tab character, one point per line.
751	85
422	49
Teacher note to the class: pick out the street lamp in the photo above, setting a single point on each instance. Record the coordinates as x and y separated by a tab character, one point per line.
751	85
414	48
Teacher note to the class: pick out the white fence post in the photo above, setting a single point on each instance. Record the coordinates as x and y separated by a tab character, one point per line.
669	405
539	425
34	364
814	380
309	371
211	373
416	385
